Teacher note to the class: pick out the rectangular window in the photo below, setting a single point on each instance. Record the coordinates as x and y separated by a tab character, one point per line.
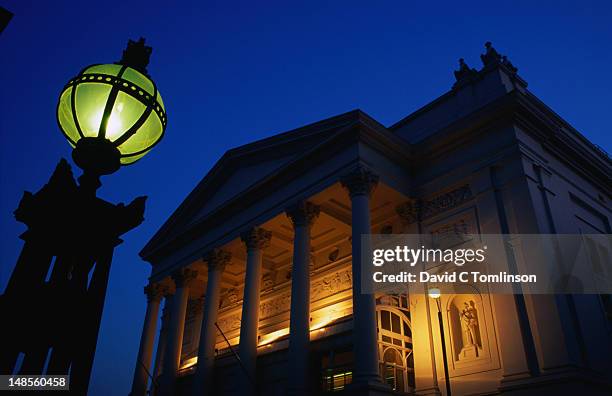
385	320
395	321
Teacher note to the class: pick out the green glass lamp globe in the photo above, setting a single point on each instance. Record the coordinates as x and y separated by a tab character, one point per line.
112	114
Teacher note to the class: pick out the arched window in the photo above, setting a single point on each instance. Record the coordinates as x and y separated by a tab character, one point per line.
395	342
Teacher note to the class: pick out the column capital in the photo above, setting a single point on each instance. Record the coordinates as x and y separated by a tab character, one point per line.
303	213
183	277
256	238
360	181
155	291
217	259
409	212
170	288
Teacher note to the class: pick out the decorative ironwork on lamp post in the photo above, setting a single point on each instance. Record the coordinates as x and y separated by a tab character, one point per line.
112	115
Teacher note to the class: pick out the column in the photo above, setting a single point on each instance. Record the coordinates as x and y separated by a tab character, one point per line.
161	344
154	292
302	216
360	183
172	356
255	240
202	382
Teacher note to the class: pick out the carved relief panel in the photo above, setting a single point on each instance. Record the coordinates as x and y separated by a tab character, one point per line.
453	230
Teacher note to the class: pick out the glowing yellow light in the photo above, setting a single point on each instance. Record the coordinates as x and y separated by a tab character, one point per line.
114	126
136	107
434	292
189	363
322	324
273	336
325	317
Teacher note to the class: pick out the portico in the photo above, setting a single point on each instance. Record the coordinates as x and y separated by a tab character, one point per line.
297	269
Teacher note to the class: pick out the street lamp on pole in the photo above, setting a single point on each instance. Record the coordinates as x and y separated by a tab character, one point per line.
112	115
435	293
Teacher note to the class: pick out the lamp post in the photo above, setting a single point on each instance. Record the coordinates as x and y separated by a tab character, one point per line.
112	115
435	294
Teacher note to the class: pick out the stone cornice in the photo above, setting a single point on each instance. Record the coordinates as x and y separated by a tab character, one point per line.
514	108
561	139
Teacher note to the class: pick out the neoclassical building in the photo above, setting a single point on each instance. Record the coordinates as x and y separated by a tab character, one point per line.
259	268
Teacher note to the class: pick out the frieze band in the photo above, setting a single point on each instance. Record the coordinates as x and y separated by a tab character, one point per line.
416	210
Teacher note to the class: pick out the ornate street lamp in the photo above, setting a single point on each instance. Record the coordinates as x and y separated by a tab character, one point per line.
435	293
112	115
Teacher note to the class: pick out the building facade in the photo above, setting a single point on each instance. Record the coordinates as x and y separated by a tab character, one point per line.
259	267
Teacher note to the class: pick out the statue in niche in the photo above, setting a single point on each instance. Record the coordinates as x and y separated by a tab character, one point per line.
470	321
471	342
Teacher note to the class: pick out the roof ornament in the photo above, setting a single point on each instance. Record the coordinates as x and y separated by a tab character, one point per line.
464	75
491	57
136	55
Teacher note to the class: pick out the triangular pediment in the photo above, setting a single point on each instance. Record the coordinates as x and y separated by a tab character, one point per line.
241	168
239	180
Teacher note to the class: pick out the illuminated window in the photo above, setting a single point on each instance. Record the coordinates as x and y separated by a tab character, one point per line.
337	371
396	362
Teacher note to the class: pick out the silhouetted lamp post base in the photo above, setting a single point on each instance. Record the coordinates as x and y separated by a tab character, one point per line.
111	115
96	157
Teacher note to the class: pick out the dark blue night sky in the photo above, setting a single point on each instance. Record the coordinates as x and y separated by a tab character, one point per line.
234	72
